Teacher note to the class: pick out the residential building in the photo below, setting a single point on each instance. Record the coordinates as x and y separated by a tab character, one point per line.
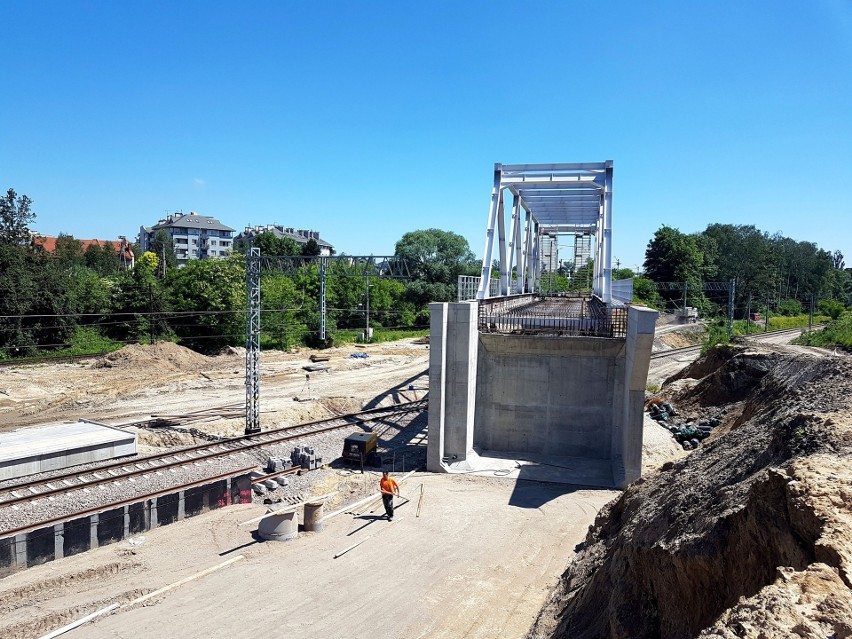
123	250
300	236
549	252
48	243
195	237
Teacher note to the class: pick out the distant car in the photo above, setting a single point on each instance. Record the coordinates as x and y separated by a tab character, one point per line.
754	317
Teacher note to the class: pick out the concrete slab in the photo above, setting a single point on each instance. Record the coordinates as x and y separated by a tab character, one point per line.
55	446
576	471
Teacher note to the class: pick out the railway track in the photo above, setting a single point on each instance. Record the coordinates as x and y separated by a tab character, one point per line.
134	469
758	337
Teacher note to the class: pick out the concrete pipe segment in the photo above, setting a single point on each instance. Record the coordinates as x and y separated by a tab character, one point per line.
280	525
313	516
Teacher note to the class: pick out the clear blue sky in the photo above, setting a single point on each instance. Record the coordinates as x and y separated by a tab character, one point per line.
365	120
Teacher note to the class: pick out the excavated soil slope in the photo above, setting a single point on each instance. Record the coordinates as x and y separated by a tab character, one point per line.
750	535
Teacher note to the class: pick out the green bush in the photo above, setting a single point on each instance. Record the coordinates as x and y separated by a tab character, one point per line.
717	333
790	307
831	308
87	340
836	333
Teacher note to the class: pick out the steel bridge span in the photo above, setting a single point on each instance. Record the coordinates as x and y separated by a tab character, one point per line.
545	381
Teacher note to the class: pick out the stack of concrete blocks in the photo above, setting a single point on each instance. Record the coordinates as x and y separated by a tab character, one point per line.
277	464
306	458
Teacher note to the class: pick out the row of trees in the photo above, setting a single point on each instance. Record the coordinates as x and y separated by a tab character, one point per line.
54	300
770	272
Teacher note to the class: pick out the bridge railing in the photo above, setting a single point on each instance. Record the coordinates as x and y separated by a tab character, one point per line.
557	316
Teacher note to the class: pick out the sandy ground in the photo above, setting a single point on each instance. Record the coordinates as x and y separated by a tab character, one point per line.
139	381
478	562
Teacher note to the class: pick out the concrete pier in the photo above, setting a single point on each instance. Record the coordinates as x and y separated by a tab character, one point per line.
574	402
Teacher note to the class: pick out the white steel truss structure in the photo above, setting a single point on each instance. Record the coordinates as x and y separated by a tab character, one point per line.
555	199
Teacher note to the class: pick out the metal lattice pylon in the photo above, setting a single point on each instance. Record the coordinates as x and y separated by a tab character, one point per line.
253	341
341	266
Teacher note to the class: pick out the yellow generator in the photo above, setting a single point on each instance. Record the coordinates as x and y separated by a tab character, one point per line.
361	447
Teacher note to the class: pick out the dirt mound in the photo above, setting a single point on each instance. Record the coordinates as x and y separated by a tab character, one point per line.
702	542
232	351
160	356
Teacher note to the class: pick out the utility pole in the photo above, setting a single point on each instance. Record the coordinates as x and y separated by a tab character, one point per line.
367	306
766	319
748	315
811	315
731	289
151	314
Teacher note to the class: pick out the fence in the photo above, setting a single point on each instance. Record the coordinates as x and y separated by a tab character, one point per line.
469	284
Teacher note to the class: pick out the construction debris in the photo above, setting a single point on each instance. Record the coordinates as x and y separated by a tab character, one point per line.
686	432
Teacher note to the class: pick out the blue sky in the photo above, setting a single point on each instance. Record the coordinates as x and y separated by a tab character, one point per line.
367	120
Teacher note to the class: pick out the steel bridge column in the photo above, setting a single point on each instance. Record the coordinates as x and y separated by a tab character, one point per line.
536	265
501	233
596	273
496	196
606	244
515	247
528	255
253	341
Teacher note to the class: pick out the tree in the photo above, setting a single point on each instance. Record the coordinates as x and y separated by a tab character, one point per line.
311	248
15	216
103	260
215	292
269	244
672	256
163	247
68	251
435	256
645	292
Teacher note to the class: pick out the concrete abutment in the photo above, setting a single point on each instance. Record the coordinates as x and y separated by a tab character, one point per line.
575	401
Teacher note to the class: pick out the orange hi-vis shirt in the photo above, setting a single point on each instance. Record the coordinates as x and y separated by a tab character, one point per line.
388	485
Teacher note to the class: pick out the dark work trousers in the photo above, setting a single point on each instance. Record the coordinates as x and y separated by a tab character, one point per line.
388	500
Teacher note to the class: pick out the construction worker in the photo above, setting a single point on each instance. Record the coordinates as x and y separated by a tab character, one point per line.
389	488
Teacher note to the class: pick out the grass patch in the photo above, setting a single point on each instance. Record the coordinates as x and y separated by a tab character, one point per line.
353	336
776	323
88	340
836	333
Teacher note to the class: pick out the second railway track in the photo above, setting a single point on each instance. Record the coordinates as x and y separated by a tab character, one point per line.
133	468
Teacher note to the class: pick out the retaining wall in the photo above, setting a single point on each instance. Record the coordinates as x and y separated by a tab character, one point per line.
79	534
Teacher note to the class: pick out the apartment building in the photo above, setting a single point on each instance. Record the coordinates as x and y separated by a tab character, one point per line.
300	236
195	237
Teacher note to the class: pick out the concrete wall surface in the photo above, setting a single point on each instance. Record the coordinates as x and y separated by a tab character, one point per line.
547	395
75	535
